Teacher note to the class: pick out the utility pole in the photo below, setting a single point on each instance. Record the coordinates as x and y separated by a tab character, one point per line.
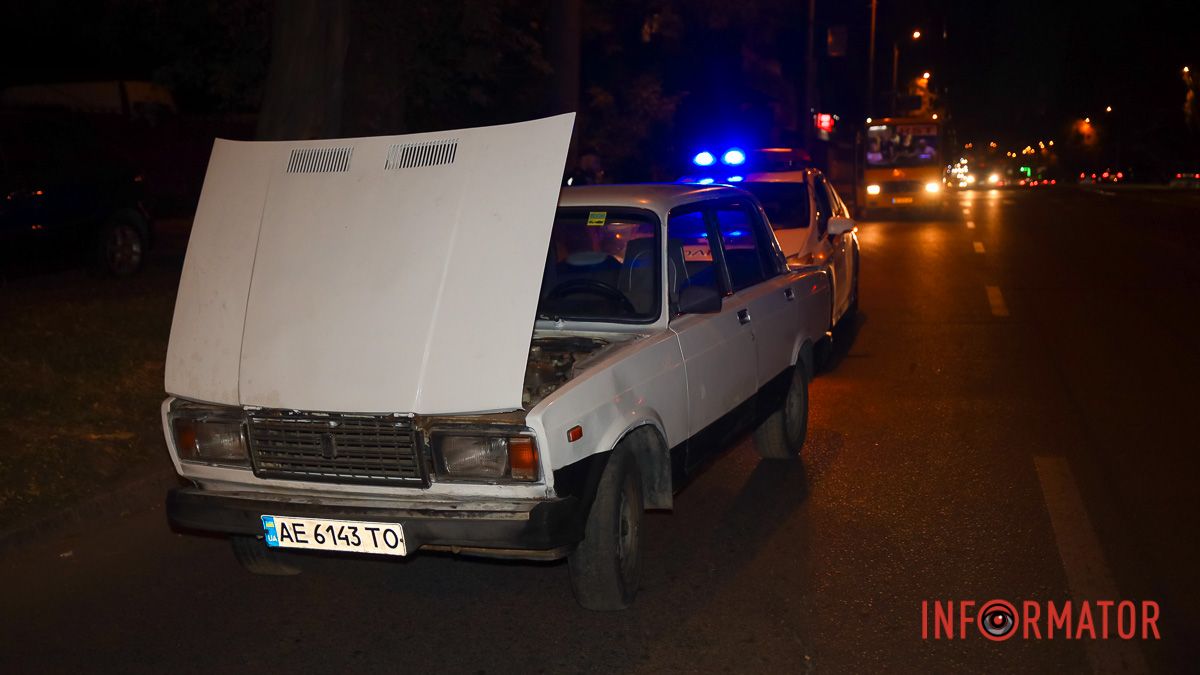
870	98
810	79
895	73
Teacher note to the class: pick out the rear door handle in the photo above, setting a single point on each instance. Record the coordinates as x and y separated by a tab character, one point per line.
789	294
743	316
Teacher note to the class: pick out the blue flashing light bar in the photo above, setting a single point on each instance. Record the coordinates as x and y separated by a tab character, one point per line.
705	181
736	179
733	157
703	158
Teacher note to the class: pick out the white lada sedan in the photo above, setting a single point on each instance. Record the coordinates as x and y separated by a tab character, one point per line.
387	345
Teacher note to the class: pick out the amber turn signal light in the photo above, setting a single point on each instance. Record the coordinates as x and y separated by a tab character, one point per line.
523	458
574	433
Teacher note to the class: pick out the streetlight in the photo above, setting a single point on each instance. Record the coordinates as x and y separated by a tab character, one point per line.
925	74
1186	69
1108	108
916	35
1087	120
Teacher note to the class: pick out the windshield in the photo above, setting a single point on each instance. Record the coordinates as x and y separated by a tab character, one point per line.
602	265
902	145
786	204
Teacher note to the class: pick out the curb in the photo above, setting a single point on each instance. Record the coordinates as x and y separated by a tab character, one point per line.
142	493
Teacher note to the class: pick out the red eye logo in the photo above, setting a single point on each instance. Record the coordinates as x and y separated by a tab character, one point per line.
997	620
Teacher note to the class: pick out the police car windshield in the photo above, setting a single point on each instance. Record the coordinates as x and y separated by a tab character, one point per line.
602	265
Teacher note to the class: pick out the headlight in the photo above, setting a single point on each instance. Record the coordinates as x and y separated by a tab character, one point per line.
467	455
993	179
933	187
872	189
209	434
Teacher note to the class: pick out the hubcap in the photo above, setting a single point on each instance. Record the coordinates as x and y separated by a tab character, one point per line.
123	249
626	537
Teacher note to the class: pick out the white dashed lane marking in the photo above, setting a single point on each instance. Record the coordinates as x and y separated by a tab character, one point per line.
1083	562
978	247
996	300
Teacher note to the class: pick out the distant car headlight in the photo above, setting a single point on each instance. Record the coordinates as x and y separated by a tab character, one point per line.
993	178
472	455
209	434
933	187
872	189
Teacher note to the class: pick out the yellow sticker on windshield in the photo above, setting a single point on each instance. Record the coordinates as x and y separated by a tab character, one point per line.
597	218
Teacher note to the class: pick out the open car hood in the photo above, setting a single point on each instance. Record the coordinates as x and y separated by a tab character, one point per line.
386	274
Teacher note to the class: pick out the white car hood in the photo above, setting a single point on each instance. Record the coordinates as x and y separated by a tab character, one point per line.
387	274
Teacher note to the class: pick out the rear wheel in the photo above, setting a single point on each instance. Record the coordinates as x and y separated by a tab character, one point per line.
782	434
606	565
258	558
121	248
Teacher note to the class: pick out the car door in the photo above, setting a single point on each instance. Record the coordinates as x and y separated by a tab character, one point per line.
718	348
841	250
759	281
829	250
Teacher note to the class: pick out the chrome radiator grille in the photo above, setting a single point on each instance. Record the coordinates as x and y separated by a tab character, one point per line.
336	448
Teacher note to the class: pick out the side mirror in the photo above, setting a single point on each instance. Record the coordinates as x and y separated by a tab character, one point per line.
840	226
699	300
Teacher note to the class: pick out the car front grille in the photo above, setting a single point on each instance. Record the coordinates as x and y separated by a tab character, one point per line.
335	448
900	186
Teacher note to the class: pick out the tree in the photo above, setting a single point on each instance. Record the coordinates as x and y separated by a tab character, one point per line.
302	97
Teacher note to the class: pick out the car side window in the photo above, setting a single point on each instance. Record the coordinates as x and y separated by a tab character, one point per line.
823	206
737	224
690	260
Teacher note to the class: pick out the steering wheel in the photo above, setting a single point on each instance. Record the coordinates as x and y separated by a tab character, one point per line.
592	287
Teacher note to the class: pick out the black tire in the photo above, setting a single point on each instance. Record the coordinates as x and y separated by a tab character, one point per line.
606	565
121	245
781	435
258	558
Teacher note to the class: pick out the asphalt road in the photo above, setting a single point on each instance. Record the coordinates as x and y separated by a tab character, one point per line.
1012	416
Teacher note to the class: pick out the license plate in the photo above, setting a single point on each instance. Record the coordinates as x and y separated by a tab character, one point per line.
902	200
350	536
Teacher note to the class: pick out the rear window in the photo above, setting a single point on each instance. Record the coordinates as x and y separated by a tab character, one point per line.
786	204
602	265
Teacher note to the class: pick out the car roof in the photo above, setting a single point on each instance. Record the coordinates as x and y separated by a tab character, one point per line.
794	176
660	197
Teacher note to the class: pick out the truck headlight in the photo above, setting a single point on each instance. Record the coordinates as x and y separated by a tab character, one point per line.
937	187
468	455
209	434
872	189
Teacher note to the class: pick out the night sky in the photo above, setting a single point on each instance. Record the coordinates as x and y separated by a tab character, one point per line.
1014	71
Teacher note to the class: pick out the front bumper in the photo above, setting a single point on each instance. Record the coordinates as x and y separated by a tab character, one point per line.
543	529
905	200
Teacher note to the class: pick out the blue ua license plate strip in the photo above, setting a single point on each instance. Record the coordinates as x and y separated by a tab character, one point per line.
347	536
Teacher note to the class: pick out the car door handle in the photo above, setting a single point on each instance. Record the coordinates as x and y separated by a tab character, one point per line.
789	293
743	316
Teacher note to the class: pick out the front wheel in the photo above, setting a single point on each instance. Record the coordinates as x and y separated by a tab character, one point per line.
782	434
606	565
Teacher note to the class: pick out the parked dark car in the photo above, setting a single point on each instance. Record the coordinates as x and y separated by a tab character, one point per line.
66	196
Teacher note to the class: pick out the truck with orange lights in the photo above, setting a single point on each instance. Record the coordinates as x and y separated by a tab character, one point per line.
902	165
